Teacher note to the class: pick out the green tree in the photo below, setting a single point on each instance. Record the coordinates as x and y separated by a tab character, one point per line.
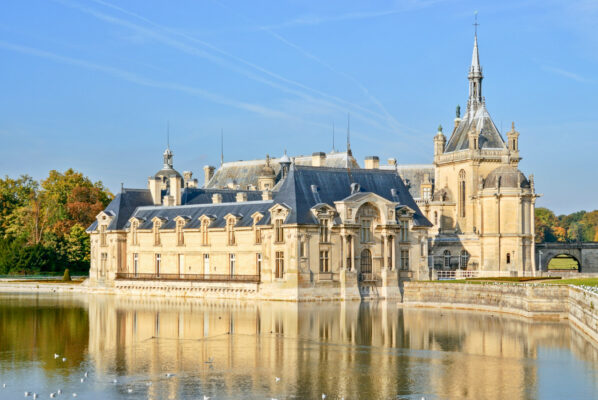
78	247
14	194
545	220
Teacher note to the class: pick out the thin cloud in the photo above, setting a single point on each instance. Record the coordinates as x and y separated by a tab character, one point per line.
142	81
335	103
566	74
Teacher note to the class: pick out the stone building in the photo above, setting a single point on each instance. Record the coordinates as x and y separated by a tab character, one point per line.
320	226
308	227
480	203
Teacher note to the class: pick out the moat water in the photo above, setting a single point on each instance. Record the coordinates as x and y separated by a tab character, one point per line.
144	348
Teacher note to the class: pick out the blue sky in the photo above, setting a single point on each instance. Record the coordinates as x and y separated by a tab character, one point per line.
92	84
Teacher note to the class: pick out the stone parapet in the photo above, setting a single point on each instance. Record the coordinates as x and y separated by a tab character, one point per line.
529	300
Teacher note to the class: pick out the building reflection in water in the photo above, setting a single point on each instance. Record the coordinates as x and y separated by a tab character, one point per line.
342	349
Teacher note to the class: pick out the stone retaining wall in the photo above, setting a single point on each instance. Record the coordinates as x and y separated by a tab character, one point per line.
530	300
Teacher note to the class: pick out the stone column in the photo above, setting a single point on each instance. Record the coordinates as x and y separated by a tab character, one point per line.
385	251
343	261
393	261
352	240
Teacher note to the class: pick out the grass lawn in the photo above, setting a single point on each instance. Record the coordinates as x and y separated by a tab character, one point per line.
576	281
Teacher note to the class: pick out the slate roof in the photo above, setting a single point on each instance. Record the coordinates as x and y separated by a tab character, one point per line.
305	187
217	211
414	174
245	173
481	122
123	206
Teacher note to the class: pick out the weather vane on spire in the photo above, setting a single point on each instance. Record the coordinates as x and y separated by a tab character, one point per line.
475	24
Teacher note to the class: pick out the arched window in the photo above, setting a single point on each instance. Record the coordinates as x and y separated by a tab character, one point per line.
462	194
463	259
447	259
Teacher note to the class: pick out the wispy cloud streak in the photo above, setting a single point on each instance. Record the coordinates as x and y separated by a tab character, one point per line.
566	74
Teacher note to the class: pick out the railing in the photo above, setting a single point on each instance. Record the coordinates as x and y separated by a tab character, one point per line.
464	274
367	277
188	277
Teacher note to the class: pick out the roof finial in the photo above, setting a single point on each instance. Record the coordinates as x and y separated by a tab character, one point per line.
168	134
221	146
475	24
348	133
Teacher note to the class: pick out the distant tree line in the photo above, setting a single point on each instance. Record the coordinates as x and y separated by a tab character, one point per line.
581	226
42	224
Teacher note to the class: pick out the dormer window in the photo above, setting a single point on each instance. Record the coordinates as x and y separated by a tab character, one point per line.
324	230
230	231
257	231
427	193
204	232
157	233
180	237
134	227
102	235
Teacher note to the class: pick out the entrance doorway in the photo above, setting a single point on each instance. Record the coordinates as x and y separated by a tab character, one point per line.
366	265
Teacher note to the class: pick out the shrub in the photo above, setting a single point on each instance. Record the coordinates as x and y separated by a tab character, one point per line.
67	275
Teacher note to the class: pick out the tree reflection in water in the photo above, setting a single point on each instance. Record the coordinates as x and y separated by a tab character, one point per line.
351	350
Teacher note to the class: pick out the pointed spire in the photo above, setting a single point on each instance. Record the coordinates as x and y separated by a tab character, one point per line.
475	75
167	153
475	58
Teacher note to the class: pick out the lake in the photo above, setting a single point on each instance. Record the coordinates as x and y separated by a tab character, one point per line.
151	348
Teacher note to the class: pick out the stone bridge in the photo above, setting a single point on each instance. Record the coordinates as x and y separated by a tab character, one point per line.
586	254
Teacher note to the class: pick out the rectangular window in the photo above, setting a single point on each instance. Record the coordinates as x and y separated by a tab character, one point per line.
103	262
258	263
135	263
231	263
405	259
427	193
231	232
324	261
134	233
206	264
324	231
366	230
158	264
279	231
279	265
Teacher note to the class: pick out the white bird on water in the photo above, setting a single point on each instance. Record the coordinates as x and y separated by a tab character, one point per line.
169	375
63	359
35	395
59	391
277	379
56	356
114	381
82	380
4	385
52	395
74	394
86	374
27	394
323	396
130	390
205	397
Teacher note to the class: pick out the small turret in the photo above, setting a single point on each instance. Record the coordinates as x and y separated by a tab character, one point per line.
513	139
439	142
267	176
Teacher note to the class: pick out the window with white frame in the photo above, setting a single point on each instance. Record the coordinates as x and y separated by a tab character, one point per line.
258	263
404	231
231	263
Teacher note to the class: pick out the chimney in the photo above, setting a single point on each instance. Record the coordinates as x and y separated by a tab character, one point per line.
216	198
392	162
241	196
266	195
208	173
155	187
318	159
372	162
175	189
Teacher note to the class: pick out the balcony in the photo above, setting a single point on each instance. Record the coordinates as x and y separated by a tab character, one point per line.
188	277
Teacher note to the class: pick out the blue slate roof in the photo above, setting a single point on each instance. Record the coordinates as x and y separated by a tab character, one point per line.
307	186
243	210
302	189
